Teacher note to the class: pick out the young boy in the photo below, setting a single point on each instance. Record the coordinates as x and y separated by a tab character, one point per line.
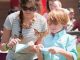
57	45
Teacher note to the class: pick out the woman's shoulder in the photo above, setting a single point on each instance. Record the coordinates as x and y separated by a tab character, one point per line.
40	18
14	15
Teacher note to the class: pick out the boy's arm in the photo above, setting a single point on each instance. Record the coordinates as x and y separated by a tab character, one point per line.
67	54
70	53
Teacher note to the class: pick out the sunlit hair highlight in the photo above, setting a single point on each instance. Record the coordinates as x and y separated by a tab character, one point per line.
58	16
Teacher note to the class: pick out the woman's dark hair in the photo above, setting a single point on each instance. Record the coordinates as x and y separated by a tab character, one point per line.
24	2
21	22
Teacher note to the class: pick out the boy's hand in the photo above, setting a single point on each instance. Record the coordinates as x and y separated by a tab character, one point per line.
54	50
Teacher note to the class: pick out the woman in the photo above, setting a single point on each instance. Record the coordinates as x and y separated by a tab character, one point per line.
52	5
21	26
57	45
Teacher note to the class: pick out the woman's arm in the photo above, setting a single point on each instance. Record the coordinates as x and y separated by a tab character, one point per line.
39	53
6	35
5	43
40	57
5	38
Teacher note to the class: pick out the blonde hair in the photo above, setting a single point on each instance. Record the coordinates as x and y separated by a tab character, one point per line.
58	16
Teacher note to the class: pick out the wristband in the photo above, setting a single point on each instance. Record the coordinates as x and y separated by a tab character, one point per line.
6	47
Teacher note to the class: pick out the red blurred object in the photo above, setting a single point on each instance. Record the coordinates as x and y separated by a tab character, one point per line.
44	6
14	3
76	25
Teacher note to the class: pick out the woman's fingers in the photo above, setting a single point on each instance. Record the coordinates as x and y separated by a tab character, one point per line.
13	42
31	43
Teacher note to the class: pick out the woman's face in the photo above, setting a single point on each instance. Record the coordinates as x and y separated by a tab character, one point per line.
53	5
28	11
55	28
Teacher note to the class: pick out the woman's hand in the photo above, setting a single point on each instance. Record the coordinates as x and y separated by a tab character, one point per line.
13	42
38	51
38	48
31	46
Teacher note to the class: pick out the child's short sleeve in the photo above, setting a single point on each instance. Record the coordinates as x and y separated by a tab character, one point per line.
8	23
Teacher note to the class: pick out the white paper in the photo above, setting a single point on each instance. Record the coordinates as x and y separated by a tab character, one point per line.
44	49
20	47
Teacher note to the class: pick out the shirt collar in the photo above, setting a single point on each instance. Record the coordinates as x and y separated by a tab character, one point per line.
60	33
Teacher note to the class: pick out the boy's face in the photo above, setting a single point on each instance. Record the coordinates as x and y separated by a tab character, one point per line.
55	28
